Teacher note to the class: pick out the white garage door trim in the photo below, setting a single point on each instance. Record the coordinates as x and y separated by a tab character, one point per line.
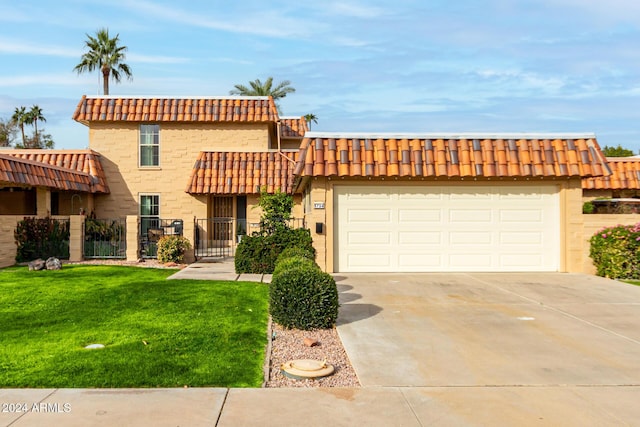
452	228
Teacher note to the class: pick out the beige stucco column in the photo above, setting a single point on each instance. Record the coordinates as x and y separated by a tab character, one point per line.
189	232
43	202
76	237
133	244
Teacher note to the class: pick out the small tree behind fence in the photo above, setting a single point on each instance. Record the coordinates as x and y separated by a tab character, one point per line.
105	238
41	238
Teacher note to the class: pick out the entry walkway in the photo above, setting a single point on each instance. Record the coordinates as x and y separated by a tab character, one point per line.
217	269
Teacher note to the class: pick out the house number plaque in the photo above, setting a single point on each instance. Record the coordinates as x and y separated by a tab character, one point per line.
318	205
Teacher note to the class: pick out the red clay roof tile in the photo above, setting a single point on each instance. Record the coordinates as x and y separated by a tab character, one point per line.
242	172
79	166
17	171
195	109
480	155
625	175
293	127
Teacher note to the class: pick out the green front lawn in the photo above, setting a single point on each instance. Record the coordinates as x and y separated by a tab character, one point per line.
633	282
156	332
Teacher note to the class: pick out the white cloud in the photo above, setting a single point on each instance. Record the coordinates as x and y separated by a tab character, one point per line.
154	59
352	9
267	22
40	80
16	47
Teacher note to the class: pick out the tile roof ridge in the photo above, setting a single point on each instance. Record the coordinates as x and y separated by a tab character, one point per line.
624	159
43	164
451	135
230	97
50	151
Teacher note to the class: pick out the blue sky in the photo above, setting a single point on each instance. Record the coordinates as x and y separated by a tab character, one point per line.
359	66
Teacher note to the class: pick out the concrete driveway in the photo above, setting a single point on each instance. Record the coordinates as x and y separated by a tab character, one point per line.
536	343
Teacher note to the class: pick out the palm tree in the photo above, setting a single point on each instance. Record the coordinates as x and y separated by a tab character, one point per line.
264	89
33	116
104	54
311	118
20	118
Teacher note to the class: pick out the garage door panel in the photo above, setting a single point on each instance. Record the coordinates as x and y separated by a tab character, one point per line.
470	260
369	238
419	215
478	228
470	215
413	262
369	215
519	238
520	215
470	238
420	238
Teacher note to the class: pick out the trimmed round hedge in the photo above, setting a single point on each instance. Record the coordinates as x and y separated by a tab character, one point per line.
287	263
303	297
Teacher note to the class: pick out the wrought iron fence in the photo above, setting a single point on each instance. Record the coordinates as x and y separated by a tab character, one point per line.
105	238
219	237
153	229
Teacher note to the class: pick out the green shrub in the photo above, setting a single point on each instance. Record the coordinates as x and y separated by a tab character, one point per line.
588	208
172	248
615	252
276	211
41	238
295	251
287	263
258	254
303	297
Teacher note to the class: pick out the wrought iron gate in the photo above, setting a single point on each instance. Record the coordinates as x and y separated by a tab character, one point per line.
215	237
105	238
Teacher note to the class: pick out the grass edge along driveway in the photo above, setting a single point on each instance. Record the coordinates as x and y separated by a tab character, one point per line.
156	332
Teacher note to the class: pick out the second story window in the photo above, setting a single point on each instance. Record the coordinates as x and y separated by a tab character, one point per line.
149	145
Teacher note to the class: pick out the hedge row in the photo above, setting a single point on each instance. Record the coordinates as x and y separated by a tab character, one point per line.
616	252
258	254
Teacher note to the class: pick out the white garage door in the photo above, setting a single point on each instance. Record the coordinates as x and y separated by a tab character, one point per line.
470	228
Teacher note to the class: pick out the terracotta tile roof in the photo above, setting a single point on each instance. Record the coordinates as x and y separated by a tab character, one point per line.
459	155
17	171
625	175
242	173
293	127
85	161
194	109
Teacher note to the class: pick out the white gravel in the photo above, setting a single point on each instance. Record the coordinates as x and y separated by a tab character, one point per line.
288	344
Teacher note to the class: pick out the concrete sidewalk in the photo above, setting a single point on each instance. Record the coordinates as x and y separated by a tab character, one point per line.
370	406
217	269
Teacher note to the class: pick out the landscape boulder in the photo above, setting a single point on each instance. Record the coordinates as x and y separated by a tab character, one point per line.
37	265
53	263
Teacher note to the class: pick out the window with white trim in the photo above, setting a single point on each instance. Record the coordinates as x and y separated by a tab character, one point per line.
149	212
149	153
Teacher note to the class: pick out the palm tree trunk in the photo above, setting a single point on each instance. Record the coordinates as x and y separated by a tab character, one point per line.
35	125
24	140
105	80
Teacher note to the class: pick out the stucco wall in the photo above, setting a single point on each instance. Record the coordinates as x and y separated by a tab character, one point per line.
179	148
595	222
571	226
7	241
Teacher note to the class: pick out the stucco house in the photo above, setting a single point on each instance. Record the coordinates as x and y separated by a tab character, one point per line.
373	202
